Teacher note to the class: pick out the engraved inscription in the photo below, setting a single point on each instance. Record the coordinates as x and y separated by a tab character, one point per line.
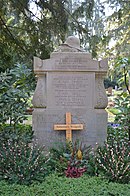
66	63
70	90
73	63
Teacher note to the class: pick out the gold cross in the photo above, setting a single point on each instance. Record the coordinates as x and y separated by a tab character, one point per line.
68	127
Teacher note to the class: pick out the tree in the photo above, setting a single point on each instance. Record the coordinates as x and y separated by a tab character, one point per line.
24	34
86	21
119	27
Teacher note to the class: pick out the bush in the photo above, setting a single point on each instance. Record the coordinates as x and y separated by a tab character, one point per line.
117	133
122	103
57	161
14	94
19	132
54	185
21	161
113	160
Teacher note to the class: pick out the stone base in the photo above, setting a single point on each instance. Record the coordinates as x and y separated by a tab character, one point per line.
101	125
94	122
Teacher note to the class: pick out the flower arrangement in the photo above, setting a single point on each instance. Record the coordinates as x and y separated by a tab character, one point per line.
77	159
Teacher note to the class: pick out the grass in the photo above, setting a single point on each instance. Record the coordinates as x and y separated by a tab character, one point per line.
62	186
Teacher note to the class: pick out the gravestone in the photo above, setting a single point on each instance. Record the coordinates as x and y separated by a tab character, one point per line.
70	82
110	90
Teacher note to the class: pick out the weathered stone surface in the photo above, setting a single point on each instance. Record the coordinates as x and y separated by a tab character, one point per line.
70	81
70	90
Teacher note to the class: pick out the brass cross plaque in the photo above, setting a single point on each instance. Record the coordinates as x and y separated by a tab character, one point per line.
68	127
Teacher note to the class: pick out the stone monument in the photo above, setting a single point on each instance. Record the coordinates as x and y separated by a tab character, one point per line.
70	96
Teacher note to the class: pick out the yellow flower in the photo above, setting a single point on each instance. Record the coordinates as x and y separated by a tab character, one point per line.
79	155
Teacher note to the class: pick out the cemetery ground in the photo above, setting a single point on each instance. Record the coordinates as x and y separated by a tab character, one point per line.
69	170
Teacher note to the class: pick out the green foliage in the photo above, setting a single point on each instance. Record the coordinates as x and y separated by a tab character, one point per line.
71	156
57	161
117	134
122	66
14	94
78	159
54	185
119	27
122	102
20	132
113	162
113	159
113	111
25	33
123	105
21	161
108	83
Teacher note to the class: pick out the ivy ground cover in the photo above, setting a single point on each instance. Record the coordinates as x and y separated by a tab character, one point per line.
54	185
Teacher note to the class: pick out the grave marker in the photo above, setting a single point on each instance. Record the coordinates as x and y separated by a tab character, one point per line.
70	81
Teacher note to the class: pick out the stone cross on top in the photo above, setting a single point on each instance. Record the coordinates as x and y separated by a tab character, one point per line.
68	127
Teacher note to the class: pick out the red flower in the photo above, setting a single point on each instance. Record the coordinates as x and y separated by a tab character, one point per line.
74	172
